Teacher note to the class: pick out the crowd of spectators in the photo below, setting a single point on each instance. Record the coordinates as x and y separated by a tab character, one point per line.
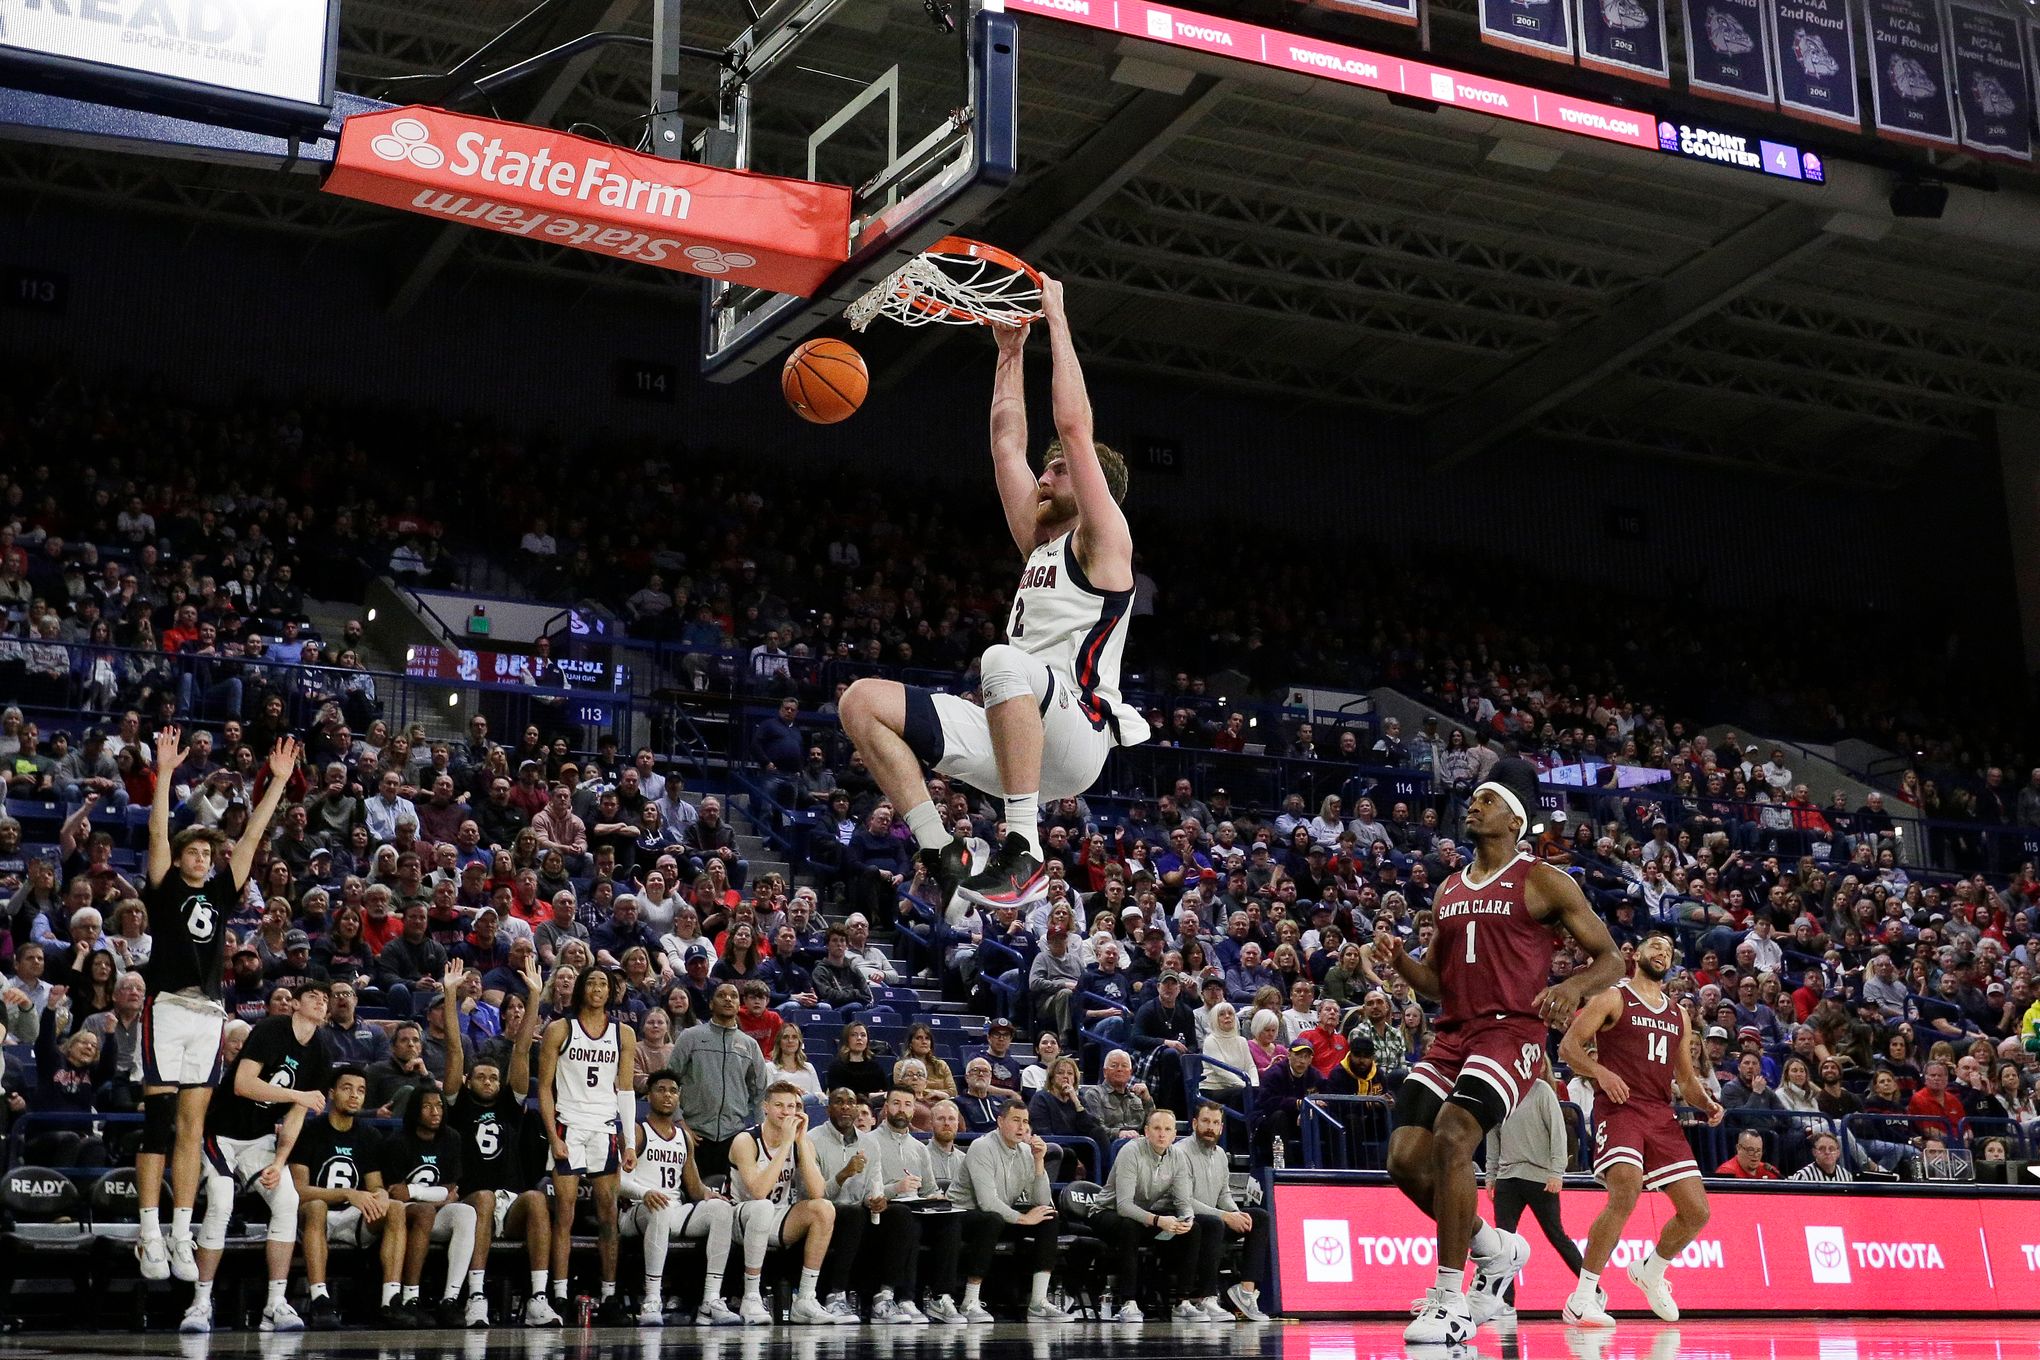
1187	948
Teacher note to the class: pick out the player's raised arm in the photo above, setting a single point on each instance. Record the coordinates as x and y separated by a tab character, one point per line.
168	750
282	764
1107	544
1009	436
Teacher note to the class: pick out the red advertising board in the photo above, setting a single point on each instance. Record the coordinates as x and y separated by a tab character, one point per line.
1363	1248
1314	56
787	235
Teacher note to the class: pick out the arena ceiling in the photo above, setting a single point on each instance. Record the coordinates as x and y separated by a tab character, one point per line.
1294	237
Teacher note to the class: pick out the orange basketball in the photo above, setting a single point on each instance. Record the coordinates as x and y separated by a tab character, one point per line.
824	381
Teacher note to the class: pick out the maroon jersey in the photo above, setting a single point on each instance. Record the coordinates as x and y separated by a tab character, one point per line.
1641	1046
1492	956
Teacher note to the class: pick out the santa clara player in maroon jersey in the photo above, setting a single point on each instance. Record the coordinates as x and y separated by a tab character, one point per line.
1632	1042
1489	961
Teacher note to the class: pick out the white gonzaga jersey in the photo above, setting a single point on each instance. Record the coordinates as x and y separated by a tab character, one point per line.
663	1163
1080	632
584	1078
786	1190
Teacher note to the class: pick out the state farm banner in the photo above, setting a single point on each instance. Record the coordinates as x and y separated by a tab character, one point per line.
1543	28
786	235
1991	92
1394	11
1361	1247
1728	51
1908	49
1625	38
1813	46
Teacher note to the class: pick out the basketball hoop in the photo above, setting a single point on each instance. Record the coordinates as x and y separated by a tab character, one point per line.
955	282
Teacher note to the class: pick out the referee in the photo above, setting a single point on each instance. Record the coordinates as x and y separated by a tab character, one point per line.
1527	1156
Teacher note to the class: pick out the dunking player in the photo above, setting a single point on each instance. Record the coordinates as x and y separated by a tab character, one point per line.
195	886
589	1104
1052	710
1488	963
1640	1045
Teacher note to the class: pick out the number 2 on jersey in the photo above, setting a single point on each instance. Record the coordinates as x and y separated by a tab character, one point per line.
1019	615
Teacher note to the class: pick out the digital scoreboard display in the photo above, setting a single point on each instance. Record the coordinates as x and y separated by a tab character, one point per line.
1739	151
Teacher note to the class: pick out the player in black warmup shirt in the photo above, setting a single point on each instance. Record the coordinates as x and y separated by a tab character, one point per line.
337	1166
422	1166
488	1114
251	1126
194	886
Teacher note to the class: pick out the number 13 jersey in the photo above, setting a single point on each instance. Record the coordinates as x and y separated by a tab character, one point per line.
1492	956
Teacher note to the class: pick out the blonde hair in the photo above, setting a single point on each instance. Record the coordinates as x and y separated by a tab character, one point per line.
1110	462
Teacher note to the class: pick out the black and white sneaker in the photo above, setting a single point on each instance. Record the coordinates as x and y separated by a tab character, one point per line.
1014	876
949	866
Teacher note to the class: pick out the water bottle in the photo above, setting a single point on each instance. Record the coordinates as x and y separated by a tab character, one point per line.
1278	1153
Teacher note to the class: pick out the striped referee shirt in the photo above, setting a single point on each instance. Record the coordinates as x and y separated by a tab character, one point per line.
1812	1172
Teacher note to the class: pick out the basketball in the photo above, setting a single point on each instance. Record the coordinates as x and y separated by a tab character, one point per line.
824	381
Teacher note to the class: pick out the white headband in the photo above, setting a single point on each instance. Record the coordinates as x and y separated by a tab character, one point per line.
1508	795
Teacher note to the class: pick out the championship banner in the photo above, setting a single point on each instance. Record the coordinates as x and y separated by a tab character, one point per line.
1542	28
786	235
1813	53
1625	38
1991	92
1394	11
1728	51
1908	47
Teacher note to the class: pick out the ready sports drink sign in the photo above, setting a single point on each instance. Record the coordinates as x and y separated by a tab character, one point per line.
785	235
1363	1248
272	48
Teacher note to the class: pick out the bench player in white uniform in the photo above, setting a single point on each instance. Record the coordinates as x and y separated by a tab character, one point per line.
589	1104
194	886
672	1202
781	1199
1052	710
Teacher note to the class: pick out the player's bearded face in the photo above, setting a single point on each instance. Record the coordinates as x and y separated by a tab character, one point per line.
1653	964
1054	500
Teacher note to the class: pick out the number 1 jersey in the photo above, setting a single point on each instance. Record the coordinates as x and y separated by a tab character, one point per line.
1492	956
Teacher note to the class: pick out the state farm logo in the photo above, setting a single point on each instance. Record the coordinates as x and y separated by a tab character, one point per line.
1327	1259
709	260
408	140
1827	1253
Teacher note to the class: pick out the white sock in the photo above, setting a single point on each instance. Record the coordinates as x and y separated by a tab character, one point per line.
1654	1266
317	1291
1486	1241
1451	1281
410	1293
655	1291
390	1292
1589	1282
711	1285
201	1295
537	1283
152	1223
808	1278
276	1288
478	1281
1039	1298
927	826
559	1288
751	1285
180	1223
970	1294
452	1290
1023	818
608	1290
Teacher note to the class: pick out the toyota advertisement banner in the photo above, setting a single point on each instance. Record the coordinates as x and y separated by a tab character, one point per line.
1363	1248
786	235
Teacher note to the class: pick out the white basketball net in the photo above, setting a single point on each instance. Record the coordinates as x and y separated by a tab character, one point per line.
953	289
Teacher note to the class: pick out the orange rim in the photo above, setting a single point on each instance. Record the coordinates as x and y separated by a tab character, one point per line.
976	250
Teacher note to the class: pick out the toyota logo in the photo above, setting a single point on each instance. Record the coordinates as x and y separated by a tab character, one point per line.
1827	1255
1328	1250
